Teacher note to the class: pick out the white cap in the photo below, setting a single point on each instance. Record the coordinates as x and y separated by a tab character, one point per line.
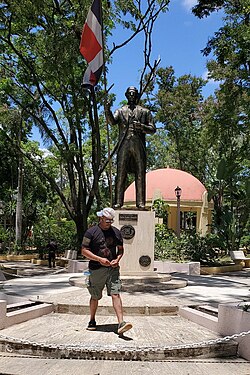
108	212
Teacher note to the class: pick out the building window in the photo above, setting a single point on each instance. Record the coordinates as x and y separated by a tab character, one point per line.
188	220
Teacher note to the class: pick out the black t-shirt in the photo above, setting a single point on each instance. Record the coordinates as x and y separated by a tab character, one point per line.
102	243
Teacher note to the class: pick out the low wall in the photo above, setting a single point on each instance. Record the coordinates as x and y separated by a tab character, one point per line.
221	269
189	268
18	258
8	319
77	266
232	320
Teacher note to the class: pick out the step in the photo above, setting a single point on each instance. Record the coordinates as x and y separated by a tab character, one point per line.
150	287
139	284
80	309
151	339
145	279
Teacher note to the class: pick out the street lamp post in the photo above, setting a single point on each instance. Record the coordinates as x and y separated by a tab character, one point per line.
178	197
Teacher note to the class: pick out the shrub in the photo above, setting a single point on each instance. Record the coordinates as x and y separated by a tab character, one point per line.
63	232
165	243
189	247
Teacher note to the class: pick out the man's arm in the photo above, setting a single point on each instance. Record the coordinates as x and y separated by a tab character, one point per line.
89	255
86	251
115	262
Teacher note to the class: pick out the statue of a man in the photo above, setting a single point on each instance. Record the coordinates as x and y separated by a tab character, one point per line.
134	123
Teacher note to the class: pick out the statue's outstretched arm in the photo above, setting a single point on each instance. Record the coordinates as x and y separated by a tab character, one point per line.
109	115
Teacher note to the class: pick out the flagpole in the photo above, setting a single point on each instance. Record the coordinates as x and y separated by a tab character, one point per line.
92	49
105	105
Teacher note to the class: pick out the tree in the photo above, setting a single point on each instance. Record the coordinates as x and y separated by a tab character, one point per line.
32	191
178	103
228	117
230	44
42	71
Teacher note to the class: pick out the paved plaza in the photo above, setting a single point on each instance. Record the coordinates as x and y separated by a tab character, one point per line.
156	330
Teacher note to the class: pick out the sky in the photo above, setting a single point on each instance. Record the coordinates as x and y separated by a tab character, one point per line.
178	38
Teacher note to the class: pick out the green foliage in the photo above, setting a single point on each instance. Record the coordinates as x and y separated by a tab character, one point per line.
63	232
189	247
160	207
230	45
180	144
227	119
7	238
41	70
204	249
164	243
245	239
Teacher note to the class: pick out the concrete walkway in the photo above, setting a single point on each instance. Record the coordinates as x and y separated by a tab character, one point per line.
55	287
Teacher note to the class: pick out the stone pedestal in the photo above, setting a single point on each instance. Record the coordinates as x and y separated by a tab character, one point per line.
138	231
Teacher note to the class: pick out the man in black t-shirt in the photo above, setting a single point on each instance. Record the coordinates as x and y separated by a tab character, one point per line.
103	245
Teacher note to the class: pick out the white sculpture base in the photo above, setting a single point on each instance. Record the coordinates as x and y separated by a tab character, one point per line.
142	243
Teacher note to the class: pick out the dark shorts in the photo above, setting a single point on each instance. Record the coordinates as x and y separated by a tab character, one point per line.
104	276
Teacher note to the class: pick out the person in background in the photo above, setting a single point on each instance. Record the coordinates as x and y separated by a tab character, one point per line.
103	245
52	250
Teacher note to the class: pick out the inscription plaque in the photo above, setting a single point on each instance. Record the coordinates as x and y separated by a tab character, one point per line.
128	217
127	231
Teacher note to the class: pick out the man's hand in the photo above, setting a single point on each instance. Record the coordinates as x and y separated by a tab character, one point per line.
114	263
105	262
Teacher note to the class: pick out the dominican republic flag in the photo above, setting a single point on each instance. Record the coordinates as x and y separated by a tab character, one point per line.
91	44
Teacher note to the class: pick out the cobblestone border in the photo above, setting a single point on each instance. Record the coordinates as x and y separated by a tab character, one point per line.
117	352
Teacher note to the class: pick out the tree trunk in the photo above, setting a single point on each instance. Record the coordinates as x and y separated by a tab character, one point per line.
81	226
19	202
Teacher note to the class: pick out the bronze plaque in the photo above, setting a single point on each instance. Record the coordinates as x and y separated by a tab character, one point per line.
145	260
127	231
128	217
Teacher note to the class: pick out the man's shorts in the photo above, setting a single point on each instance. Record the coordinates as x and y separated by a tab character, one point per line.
108	276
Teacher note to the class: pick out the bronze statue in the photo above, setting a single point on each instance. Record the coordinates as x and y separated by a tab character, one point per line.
134	123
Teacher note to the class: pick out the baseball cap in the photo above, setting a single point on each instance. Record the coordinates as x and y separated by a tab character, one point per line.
108	212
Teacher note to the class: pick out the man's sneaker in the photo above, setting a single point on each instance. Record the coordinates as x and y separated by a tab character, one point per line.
124	327
92	325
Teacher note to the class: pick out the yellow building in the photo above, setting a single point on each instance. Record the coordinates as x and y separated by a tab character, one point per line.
195	210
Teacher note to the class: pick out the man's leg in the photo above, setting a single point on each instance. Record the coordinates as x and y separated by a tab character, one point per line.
97	280
117	305
114	288
49	259
54	260
93	304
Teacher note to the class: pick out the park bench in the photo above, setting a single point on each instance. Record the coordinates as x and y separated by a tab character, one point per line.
68	255
238	257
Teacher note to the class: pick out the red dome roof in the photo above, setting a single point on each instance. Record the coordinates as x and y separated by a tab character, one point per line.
162	183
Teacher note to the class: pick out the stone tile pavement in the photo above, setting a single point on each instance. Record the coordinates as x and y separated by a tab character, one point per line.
55	287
